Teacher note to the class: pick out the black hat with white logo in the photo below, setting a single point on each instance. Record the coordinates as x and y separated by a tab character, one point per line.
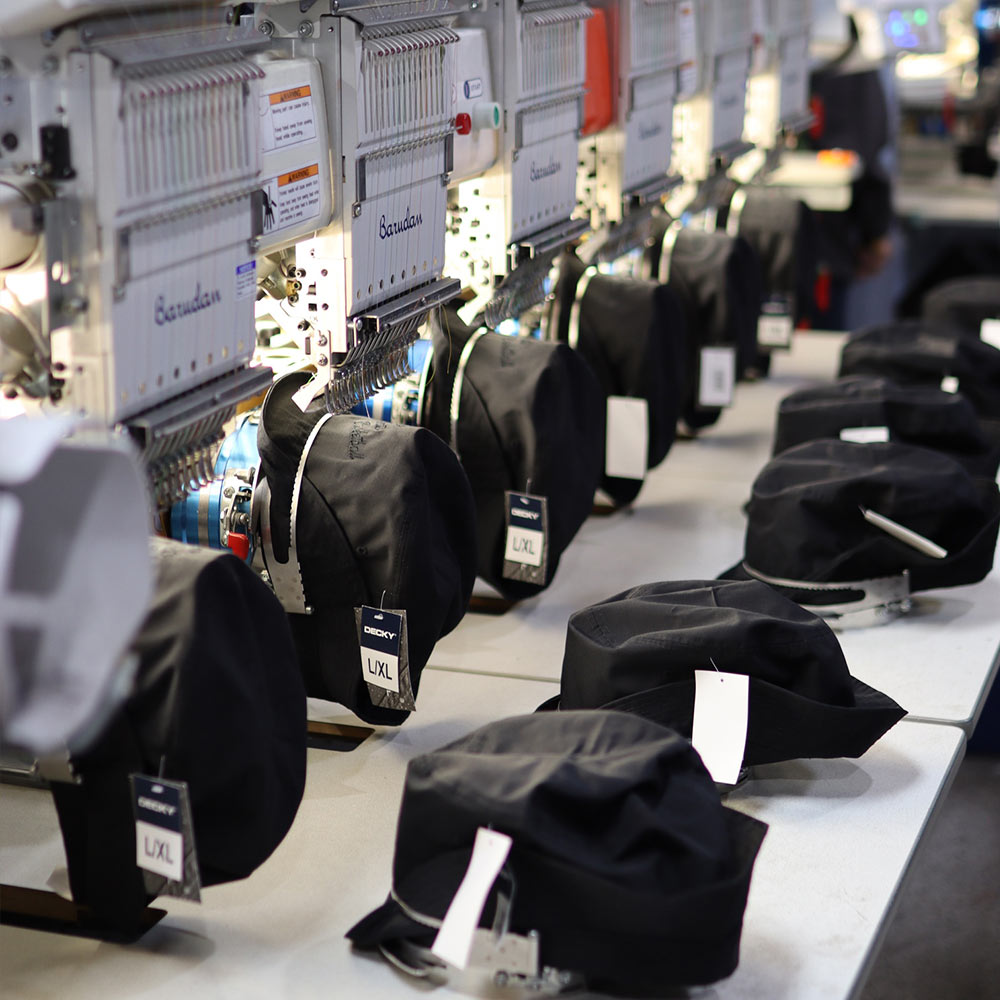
217	702
524	416
638	652
867	408
625	871
356	512
631	333
851	529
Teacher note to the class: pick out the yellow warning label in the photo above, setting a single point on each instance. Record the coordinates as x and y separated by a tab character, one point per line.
298	175
295	94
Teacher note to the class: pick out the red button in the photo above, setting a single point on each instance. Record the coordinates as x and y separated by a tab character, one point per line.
463	123
240	544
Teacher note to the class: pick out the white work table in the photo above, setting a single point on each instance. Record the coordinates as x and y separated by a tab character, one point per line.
842	832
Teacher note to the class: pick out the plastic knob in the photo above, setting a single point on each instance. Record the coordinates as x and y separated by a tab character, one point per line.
240	545
463	123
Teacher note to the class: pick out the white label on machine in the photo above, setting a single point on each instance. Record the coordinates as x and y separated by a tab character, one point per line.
990	332
288	117
687	45
627	445
246	280
291	198
717	378
473	88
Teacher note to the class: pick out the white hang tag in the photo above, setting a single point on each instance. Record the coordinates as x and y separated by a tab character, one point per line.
627	439
454	938
865	435
305	394
774	330
382	636
721	712
164	837
989	331
526	543
717	376
904	535
949	384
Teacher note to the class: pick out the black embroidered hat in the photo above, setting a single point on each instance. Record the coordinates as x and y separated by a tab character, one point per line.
361	512
638	652
844	528
522	415
717	279
632	335
866	406
963	304
625	870
217	701
916	351
784	233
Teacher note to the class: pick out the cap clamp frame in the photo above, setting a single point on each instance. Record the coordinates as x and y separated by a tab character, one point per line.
883	599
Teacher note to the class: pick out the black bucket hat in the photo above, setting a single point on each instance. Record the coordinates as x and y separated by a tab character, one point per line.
808	534
922	415
963	304
631	873
631	333
522	415
916	351
218	702
717	279
638	652
385	518
784	233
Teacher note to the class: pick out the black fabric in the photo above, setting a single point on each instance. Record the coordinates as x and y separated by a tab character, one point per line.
531	418
782	231
638	651
717	279
632	335
963	303
623	858
386	518
804	521
918	352
913	414
217	702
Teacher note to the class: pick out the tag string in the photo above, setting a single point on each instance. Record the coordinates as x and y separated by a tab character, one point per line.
717	670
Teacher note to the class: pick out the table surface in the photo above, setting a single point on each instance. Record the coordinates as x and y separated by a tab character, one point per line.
687	523
821	890
842	832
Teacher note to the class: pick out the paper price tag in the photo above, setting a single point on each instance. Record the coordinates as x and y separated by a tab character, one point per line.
865	435
454	938
717	377
382	636
775	325
989	331
526	545
164	837
721	712
949	384
627	438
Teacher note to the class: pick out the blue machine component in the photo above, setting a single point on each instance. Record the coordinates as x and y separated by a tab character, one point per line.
208	515
402	402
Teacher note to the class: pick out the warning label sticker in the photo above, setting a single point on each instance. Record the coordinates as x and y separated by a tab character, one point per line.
289	117
291	198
